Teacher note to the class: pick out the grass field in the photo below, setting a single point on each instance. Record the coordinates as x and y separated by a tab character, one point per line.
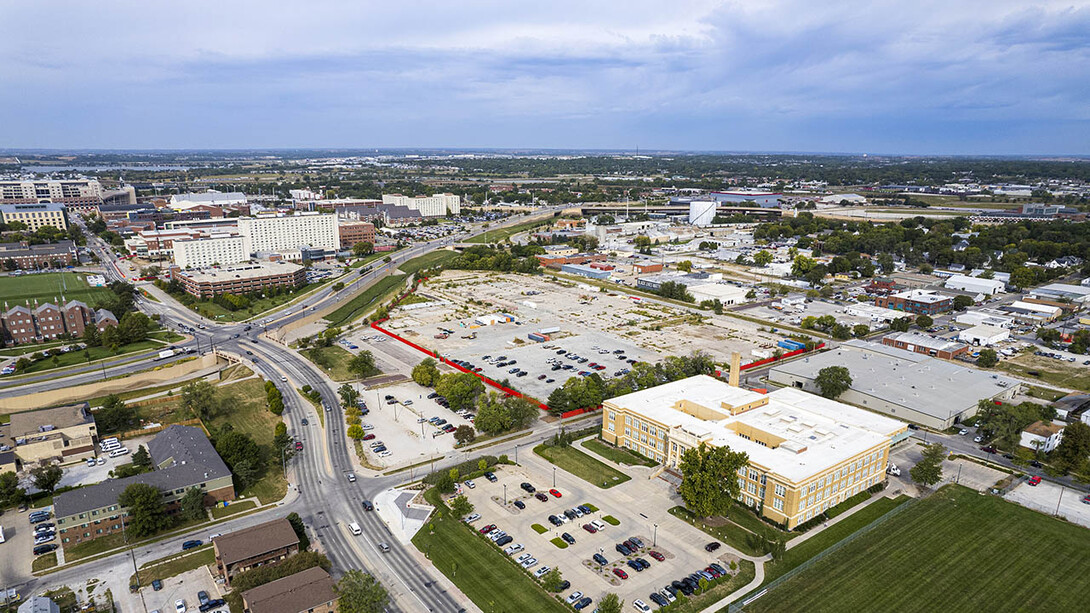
332	360
1056	372
499	234
616	454
43	562
75	358
233	509
366	301
955	551
259	306
582	465
164	570
251	417
1044	393
478	568
50	287
427	260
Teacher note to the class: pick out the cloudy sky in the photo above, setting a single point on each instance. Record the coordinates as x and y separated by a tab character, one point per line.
880	76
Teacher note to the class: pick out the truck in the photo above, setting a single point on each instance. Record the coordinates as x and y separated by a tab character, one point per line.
166	353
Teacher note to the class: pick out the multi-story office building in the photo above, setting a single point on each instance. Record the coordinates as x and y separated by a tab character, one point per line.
248	548
352	232
289	232
35	215
183	458
49	190
240	278
806	453
439	205
46	255
917	301
62	434
218	250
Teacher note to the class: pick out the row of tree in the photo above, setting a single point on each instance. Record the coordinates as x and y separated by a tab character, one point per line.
590	391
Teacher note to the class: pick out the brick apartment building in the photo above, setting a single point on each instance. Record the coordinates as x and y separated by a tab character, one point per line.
916	301
352	232
27	256
927	345
20	324
308	591
249	548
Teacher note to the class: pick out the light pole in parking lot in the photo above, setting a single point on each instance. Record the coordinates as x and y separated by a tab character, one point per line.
554	476
505	494
655	537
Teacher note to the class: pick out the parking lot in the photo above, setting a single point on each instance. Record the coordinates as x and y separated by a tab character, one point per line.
1047	498
15	551
398	425
681	545
182	587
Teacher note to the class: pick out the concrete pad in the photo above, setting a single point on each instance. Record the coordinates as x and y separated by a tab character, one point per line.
1052	499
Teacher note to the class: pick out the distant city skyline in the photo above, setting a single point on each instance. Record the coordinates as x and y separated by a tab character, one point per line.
923	78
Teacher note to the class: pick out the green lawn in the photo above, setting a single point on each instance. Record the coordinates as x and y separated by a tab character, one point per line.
479	569
366	301
499	234
1052	371
43	562
618	455
955	551
203	556
250	416
441	256
76	358
259	306
232	509
731	534
50	287
378	255
582	465
333	361
32	348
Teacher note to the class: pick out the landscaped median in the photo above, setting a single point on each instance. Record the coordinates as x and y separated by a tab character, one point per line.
581	465
479	569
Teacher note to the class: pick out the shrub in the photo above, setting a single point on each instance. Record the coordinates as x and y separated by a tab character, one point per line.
559	542
613	521
539	528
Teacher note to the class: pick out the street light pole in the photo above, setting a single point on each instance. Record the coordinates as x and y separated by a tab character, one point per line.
655	538
505	494
554	476
1057	513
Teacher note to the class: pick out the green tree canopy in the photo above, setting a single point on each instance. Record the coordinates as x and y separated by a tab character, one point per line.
460	389
46	478
987	358
363	365
192	504
300	530
147	513
610	603
426	373
1074	449
833	381
928	471
360	592
709	478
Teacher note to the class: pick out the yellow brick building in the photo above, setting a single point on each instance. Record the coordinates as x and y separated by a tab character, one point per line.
806	453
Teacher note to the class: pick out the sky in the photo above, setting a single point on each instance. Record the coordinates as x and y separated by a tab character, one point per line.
994	77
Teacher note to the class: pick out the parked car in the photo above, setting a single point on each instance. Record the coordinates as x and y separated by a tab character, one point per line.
567	538
712	546
590	528
601	559
156	585
620	573
541	496
529	488
191	544
582	604
519	504
1034	480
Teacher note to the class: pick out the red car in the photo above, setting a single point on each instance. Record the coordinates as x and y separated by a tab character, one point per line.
368	437
712	572
1034	480
298	446
658	556
620	573
1086	499
555	493
590	528
488	528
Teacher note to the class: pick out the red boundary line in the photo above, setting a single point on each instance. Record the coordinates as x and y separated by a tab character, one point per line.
789	354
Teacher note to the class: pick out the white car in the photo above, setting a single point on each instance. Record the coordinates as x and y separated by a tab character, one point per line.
641	606
472	518
529	562
367	426
963	432
179	606
978	439
383	454
470	484
513	549
284	379
541	571
574	597
524	557
668	595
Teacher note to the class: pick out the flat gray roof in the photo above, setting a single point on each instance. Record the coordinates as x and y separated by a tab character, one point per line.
928	385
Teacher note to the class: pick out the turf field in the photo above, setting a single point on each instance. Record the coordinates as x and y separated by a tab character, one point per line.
49	287
956	551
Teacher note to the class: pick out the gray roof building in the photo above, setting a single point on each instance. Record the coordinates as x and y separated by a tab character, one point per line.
906	385
39	604
307	590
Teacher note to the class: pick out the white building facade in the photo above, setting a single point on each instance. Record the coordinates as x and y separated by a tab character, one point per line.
50	190
439	205
204	252
289	232
975	285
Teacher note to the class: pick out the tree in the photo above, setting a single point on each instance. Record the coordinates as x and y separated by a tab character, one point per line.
1050	336
360	592
610	603
460	506
762	258
552	580
901	324
988	358
355	432
192	504
363	248
924	321
46	478
841	332
147	513
300	530
492	416
280	436
1074	448
928	471
362	365
685	266
348	395
1023	277
426	373
242	455
833	381
464	434
141	457
709	483
115	415
962	302
460	389
133	327
201	398
10	492
860	330
802	265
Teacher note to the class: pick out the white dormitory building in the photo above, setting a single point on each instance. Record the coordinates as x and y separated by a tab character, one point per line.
439	205
975	285
220	250
286	233
182	202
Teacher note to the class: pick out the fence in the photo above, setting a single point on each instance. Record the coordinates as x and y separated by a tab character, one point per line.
739	606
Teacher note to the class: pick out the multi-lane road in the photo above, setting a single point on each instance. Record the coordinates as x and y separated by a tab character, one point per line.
320	491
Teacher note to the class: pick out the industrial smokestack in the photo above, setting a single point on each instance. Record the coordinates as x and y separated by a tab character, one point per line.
735	368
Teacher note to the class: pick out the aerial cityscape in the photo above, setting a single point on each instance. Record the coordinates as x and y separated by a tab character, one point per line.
351	308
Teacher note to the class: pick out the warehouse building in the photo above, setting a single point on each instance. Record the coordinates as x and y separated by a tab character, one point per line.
806	453
902	384
975	285
984	336
985	317
1030	312
928	345
724	293
1062	291
916	301
585	271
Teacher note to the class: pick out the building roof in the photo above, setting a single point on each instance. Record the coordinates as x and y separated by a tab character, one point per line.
984	331
39	604
31	207
1044	429
213	198
1062	290
921	295
924	340
255	540
968	283
31	423
192	467
251	270
815	432
11	250
930	386
302	591
719	290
